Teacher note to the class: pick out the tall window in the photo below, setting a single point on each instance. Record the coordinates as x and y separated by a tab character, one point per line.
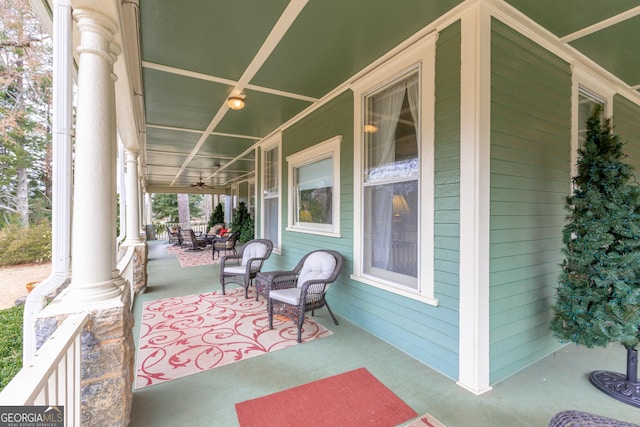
271	195
587	102
391	185
394	113
252	199
314	189
588	91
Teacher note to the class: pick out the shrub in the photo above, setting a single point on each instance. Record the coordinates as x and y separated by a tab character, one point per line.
23	245
10	344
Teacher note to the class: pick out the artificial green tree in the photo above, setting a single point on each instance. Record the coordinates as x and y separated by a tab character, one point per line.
217	216
598	298
243	222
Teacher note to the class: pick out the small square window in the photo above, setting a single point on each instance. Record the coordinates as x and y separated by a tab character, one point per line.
314	183
313	194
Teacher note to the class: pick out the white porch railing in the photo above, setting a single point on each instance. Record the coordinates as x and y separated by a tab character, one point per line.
125	267
52	376
163	235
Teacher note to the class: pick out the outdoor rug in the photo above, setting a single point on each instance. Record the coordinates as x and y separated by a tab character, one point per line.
426	421
192	258
185	335
355	398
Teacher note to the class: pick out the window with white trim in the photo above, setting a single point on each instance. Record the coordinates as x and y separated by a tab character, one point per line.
587	103
271	194
391	185
393	181
251	202
588	92
314	189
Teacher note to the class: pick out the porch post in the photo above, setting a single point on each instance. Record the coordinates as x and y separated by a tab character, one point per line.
132	203
147	205
475	137
92	239
61	179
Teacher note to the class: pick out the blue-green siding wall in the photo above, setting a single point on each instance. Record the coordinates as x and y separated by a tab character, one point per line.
447	197
428	333
530	159
334	118
626	123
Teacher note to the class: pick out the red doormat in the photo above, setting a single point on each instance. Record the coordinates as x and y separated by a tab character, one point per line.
355	398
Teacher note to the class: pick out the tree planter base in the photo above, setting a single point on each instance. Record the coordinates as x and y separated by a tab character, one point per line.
625	388
617	386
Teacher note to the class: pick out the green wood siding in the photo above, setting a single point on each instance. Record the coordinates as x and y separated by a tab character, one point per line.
334	118
626	122
430	334
530	159
447	194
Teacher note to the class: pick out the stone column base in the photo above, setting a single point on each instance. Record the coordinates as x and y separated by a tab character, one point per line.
138	274
108	353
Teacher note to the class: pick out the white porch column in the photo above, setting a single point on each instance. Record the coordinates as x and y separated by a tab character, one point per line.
121	191
61	192
92	239
475	138
147	204
132	196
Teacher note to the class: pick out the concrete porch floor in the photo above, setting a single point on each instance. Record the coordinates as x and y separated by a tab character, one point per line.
529	398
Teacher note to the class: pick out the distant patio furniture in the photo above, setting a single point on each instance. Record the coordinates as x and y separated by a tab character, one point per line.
303	289
214	232
174	235
242	268
226	244
579	419
190	239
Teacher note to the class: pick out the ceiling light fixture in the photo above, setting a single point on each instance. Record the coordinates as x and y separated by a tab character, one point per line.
370	128
236	102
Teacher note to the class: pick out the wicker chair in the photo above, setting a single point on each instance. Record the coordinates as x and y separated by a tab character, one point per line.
188	238
242	268
174	235
303	289
585	419
226	244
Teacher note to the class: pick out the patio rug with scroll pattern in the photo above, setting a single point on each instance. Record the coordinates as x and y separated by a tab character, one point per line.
189	258
181	336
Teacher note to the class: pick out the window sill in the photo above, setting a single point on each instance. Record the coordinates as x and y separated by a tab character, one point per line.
316	232
404	293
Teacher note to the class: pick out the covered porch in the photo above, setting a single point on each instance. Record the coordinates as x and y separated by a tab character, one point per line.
492	173
529	398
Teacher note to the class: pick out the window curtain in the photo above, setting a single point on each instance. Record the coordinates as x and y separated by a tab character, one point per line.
387	105
413	94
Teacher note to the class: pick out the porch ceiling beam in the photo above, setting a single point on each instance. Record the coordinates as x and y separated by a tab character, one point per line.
273	39
222	80
231	135
605	23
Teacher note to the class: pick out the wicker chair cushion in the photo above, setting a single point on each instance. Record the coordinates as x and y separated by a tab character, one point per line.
239	269
585	419
289	296
254	250
318	265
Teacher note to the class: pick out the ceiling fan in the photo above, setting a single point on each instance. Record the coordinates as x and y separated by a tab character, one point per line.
200	183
